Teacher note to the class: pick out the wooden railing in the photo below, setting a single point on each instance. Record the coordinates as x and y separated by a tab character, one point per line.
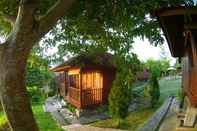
88	97
91	97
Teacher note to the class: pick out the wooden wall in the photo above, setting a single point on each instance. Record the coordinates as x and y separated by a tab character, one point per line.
61	83
109	77
96	82
94	86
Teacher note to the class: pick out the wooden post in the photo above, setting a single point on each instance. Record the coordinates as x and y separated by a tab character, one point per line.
191	97
80	89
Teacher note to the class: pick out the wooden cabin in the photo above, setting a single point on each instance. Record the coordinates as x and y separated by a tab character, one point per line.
179	25
85	80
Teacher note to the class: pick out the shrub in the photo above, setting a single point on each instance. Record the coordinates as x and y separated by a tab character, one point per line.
120	94
71	108
154	89
34	94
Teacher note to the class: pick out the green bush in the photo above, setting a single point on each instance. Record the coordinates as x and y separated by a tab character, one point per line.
147	91
154	89
120	94
71	108
35	94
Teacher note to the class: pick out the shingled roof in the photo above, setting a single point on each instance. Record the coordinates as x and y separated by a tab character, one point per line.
81	60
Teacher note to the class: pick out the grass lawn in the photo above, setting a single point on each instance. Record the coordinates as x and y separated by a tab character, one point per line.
169	88
136	119
44	120
2	118
132	122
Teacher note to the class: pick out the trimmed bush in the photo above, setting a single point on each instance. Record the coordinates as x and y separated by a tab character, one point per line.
154	89
120	94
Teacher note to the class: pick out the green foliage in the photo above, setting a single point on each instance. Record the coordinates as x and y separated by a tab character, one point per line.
35	94
52	91
44	120
120	94
157	66
98	22
147	92
134	121
3	119
37	71
110	25
154	89
71	108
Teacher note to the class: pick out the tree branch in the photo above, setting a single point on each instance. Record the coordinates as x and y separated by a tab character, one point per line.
24	32
10	18
60	9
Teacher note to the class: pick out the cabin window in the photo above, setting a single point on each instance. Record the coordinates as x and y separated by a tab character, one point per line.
74	81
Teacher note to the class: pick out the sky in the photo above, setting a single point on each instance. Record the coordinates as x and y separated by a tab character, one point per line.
145	50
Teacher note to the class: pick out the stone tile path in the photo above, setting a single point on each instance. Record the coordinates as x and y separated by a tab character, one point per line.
154	122
169	123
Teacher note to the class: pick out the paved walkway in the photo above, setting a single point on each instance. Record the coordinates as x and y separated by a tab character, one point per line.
78	127
153	123
169	123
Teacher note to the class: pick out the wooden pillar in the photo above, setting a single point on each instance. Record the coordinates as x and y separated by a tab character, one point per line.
191	90
80	89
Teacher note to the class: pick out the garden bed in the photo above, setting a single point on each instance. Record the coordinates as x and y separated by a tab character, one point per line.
133	121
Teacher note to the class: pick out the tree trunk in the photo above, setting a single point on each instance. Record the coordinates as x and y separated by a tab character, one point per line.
13	92
27	30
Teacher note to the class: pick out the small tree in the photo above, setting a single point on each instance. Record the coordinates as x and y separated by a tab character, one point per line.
120	95
154	89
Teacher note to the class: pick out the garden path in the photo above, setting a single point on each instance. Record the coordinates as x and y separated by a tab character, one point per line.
169	123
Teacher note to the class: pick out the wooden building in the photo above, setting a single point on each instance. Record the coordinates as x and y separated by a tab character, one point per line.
179	25
85	80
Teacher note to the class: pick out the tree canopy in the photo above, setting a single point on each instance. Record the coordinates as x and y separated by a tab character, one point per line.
74	25
107	25
103	24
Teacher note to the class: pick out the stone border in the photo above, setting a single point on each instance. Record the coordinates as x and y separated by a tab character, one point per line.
155	121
